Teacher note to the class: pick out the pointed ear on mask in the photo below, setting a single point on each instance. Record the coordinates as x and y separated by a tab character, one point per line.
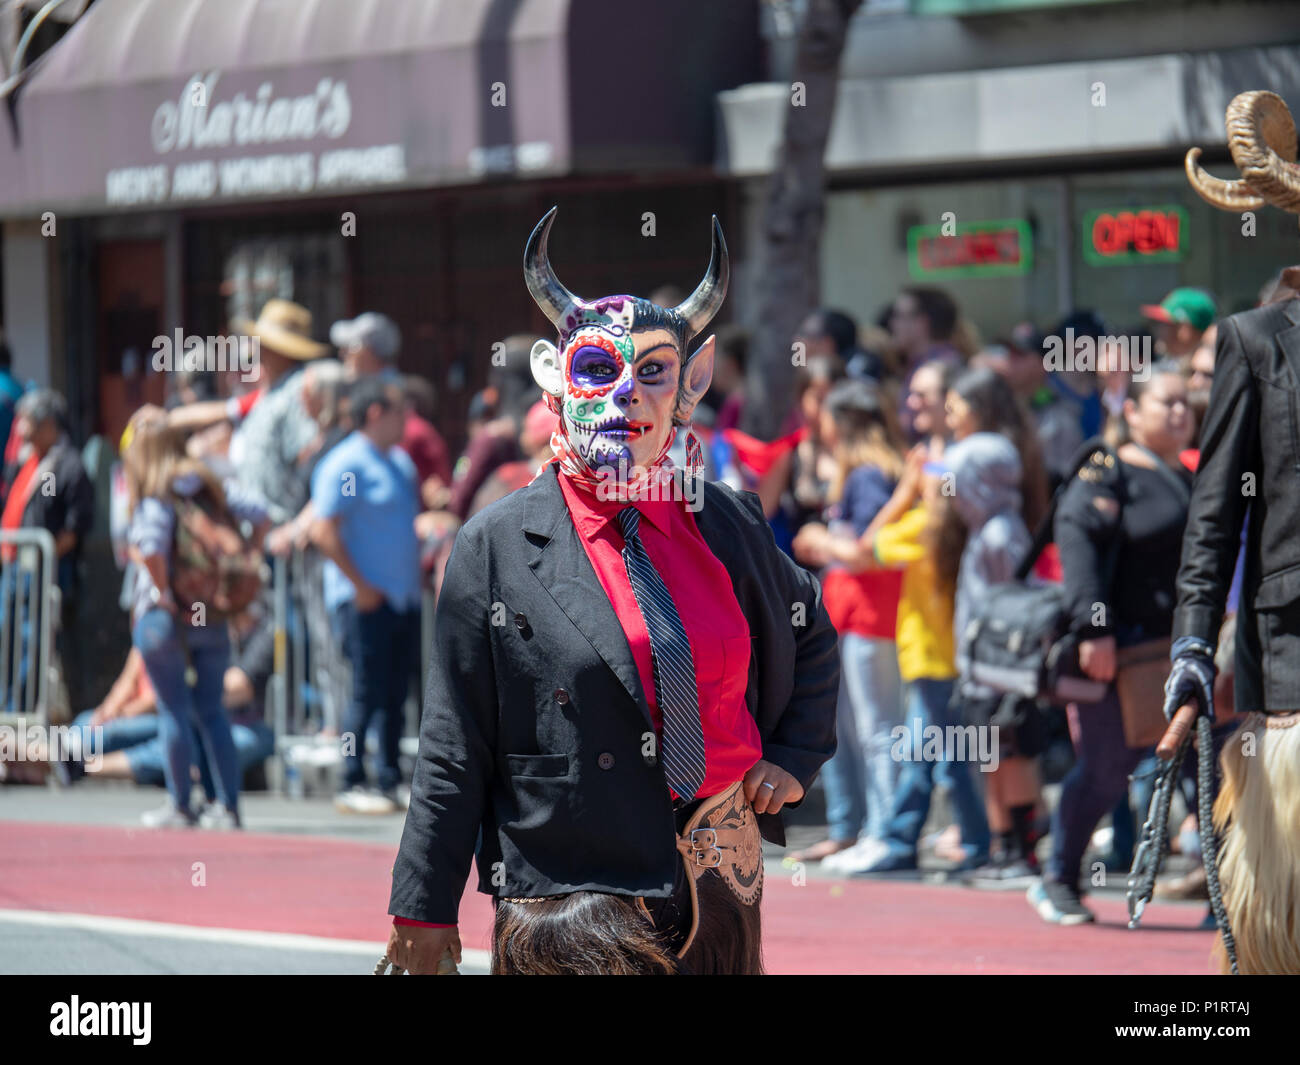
696	377
545	361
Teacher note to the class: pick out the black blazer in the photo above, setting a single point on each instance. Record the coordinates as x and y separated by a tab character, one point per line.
1250	458
535	720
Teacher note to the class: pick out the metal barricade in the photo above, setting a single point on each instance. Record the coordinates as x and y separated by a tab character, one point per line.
29	617
312	680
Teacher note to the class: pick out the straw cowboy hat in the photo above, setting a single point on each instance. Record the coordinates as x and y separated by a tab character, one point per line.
285	328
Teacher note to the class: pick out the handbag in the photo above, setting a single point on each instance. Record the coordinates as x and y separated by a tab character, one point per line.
1140	675
1017	640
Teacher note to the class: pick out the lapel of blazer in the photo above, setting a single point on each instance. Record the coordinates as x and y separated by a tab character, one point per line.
560	564
1289	339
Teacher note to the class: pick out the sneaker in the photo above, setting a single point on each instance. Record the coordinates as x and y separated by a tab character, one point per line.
1003	875
362	800
217	817
862	855
169	816
891	862
1058	903
1192	885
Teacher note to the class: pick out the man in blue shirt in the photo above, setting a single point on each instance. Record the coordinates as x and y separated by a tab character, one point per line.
365	500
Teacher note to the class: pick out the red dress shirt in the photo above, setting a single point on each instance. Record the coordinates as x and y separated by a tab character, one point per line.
718	632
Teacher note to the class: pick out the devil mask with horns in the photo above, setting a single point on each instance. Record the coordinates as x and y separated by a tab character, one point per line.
620	378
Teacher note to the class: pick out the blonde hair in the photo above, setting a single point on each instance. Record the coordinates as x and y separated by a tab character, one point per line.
156	456
1258	812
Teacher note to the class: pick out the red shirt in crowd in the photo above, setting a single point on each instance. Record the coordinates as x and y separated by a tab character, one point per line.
15	506
865	604
718	632
427	449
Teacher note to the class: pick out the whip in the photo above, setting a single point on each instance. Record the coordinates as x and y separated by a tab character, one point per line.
1154	843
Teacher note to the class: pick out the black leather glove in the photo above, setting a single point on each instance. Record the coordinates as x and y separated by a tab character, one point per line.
1191	678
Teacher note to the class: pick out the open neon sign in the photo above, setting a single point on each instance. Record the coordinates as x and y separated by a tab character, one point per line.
1135	235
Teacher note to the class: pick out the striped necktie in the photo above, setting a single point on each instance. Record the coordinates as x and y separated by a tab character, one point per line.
682	744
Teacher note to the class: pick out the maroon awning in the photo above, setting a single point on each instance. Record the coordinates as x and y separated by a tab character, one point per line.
153	103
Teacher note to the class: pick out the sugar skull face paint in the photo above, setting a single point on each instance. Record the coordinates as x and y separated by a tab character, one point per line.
620	378
620	395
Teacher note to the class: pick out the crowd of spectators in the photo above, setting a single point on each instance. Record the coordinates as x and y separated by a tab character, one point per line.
334	454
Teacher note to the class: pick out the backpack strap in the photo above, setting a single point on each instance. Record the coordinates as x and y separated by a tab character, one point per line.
1043	534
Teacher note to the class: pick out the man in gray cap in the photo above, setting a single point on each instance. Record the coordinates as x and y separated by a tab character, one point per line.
369	344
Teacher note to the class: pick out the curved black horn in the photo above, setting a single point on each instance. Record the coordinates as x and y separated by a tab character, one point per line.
553	298
701	305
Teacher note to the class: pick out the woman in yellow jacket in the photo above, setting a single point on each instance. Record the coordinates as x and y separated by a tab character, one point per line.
903	536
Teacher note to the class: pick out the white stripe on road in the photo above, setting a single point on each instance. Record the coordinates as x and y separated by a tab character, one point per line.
470	959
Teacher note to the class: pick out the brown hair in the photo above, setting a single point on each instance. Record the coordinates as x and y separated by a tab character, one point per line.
866	420
944	539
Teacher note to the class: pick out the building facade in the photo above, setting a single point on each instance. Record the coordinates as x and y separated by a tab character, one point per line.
1048	136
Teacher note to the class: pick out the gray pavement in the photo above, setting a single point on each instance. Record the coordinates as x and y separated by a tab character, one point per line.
120	803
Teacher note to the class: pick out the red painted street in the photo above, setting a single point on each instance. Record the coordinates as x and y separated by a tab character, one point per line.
338	889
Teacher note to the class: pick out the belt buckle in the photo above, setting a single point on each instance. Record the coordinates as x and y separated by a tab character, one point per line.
704	848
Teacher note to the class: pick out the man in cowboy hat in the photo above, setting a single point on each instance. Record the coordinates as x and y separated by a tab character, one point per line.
278	428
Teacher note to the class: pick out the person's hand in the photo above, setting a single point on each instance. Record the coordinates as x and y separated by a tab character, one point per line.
810	544
418	950
913	476
368	598
768	787
105	712
1097	658
1191	680
280	540
237	688
435	494
167	602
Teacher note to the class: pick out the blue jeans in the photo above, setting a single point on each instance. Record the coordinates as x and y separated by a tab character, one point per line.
927	704
138	738
158	636
861	776
383	646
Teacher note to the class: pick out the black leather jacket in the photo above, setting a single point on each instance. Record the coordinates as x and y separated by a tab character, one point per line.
1250	464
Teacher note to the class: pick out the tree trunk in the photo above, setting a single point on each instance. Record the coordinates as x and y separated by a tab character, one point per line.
789	283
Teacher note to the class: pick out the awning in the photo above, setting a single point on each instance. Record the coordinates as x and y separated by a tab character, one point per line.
1013	115
151	103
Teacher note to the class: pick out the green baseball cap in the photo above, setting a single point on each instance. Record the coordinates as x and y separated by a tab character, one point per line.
1191	305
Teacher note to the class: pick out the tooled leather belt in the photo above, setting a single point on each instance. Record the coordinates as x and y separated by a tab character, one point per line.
721	835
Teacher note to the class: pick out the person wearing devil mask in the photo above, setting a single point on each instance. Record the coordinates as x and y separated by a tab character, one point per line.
629	681
1247	479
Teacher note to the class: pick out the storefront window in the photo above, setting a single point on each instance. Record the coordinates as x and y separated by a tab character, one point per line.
1000	264
234	270
1140	234
1039	248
